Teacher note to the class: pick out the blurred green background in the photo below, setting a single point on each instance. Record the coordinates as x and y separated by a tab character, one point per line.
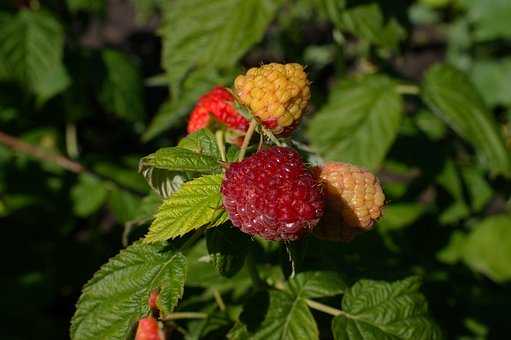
419	91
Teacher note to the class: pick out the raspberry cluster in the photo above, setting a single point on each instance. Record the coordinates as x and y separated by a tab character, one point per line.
275	93
354	201
272	194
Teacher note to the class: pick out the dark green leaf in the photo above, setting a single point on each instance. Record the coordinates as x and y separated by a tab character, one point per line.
317	284
366	22
359	123
202	142
122	91
198	203
453	98
180	159
288	318
487	249
380	310
116	297
227	247
219	34
493	80
31	46
123	204
88	195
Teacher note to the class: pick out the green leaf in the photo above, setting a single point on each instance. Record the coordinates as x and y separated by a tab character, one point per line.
317	284
116	297
400	215
218	36
202	142
487	249
490	17
359	123
31	47
381	310
172	113
331	9
453	98
123	204
493	80
288	318
168	169
453	252
88	195
367	22
198	203
227	247
122	90
180	159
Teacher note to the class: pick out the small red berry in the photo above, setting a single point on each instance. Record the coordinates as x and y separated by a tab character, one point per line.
272	194
218	104
148	329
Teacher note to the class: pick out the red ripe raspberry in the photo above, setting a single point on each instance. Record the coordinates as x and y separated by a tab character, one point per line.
148	329
199	119
272	194
219	103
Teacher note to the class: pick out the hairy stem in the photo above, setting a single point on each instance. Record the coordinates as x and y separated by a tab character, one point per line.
246	140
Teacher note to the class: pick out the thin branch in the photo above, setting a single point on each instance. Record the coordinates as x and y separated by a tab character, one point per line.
221	144
185	315
18	145
324	308
408	89
218	299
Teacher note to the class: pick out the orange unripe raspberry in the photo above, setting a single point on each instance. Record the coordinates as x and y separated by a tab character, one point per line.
275	93
354	201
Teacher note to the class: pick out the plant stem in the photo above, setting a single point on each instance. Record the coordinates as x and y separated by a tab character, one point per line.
221	145
40	153
246	140
408	89
218	299
271	136
324	308
185	315
71	141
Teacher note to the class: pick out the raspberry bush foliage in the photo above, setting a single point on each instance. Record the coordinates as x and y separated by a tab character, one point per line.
255	169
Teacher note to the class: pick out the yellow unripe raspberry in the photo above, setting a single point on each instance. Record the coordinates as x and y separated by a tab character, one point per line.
354	201
275	93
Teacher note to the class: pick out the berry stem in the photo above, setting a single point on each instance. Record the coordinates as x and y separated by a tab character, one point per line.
220	143
271	136
246	140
